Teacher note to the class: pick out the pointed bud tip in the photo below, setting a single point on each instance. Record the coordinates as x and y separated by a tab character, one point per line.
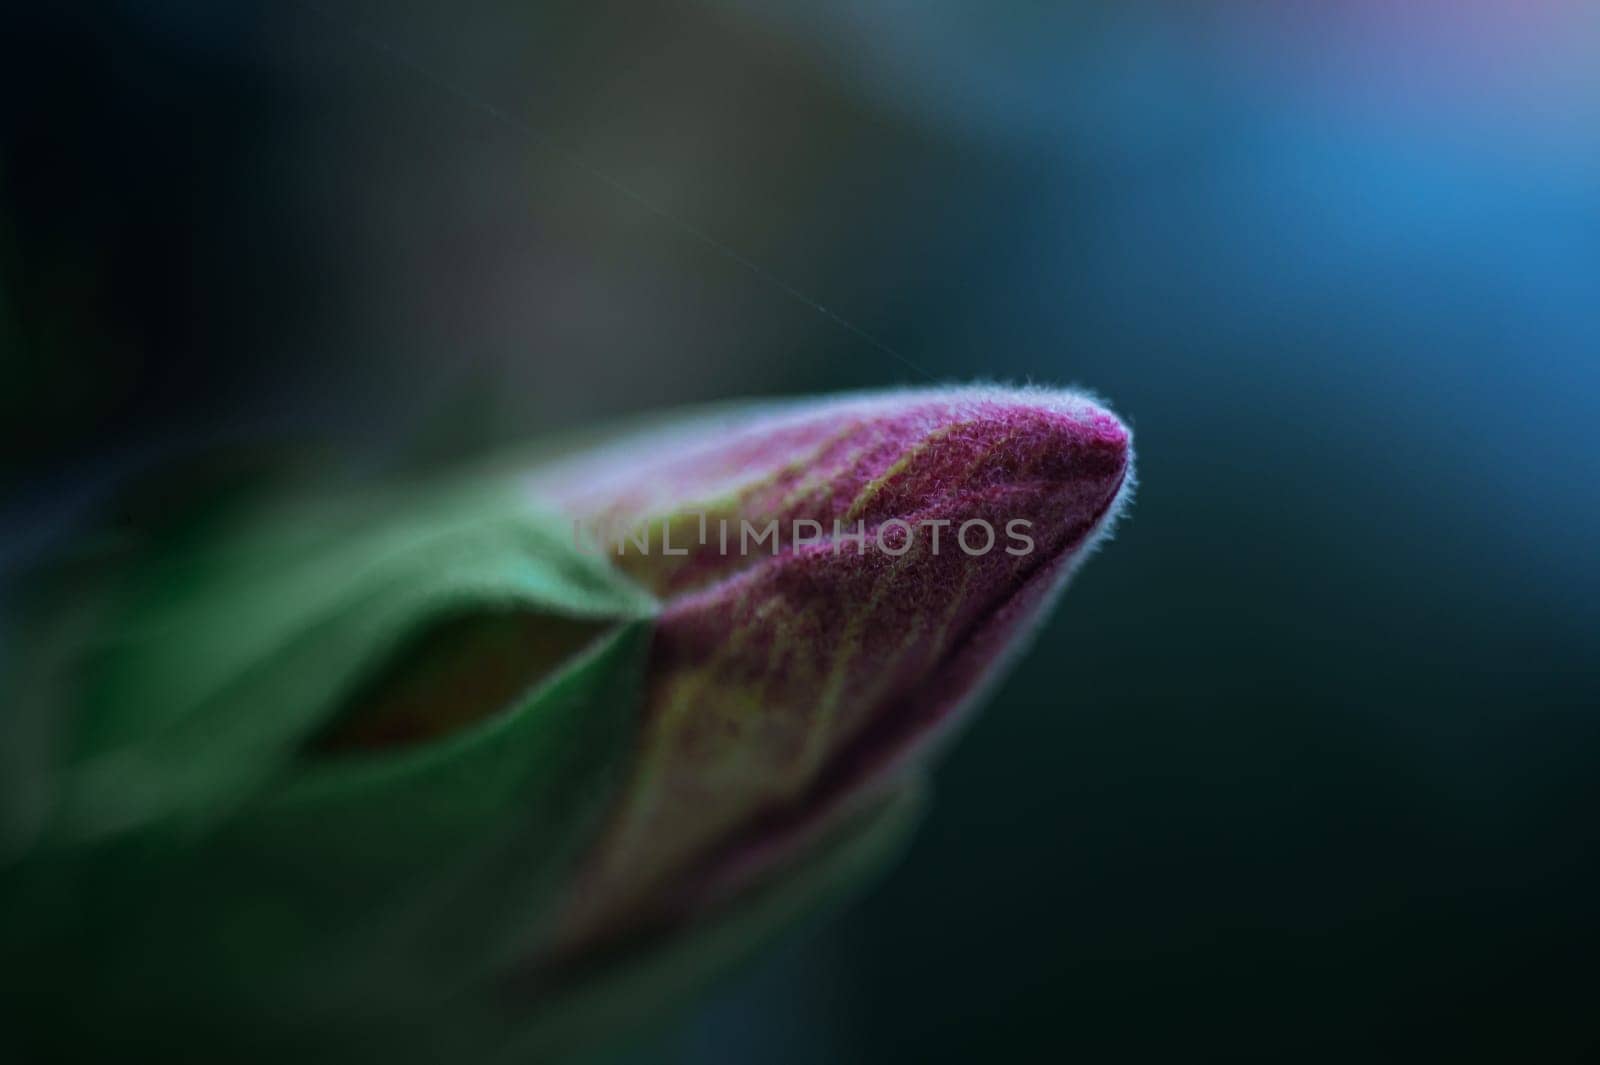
686	494
919	536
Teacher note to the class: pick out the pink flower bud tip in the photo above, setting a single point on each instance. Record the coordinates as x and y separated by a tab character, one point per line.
919	535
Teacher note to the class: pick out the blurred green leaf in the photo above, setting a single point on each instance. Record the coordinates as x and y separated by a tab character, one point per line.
222	657
217	870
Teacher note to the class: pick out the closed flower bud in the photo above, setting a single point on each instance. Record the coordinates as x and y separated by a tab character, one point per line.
515	758
912	540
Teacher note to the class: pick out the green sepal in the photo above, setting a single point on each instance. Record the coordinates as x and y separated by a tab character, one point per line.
207	875
221	658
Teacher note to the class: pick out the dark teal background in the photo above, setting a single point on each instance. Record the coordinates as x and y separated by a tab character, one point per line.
1304	768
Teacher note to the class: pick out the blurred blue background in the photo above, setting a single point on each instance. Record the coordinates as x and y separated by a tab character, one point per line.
1305	768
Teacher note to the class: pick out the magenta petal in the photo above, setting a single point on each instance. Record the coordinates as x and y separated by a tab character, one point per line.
785	686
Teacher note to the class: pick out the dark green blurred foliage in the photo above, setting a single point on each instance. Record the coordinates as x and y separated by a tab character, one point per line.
185	868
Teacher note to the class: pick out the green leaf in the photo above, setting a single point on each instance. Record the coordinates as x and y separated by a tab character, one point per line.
230	860
225	656
462	842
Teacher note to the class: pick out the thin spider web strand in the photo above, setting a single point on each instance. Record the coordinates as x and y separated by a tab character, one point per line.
572	159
